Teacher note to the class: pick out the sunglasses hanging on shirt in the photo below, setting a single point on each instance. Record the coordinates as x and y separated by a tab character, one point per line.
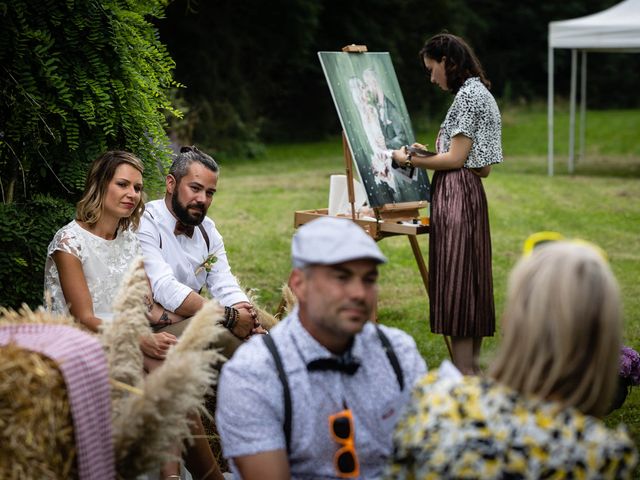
345	460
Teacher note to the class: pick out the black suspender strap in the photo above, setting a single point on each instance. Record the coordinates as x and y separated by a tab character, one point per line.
391	355
200	226
285	388
204	234
159	234
271	346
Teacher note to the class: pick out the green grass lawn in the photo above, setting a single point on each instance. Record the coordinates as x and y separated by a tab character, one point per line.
256	200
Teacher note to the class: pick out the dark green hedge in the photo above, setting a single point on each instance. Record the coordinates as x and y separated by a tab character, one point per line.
274	87
76	79
25	232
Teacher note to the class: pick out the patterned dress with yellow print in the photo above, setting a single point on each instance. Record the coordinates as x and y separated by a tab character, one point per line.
472	427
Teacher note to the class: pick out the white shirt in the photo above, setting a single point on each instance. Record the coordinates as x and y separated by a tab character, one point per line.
171	261
104	264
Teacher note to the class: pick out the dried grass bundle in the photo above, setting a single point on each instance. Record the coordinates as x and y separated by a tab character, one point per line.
120	338
36	428
151	424
204	329
26	315
289	299
267	320
148	425
149	415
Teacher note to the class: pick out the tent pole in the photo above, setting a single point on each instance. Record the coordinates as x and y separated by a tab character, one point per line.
583	103
572	107
550	112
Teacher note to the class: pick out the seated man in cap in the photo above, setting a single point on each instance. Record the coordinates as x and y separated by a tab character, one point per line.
320	396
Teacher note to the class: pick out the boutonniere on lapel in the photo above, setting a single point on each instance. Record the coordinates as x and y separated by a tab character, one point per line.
207	264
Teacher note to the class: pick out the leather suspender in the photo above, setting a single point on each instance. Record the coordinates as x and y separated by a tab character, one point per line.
391	355
204	234
285	387
200	227
268	340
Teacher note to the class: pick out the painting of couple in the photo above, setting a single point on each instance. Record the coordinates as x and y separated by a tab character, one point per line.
375	120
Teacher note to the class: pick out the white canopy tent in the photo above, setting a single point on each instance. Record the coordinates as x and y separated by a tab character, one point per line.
616	29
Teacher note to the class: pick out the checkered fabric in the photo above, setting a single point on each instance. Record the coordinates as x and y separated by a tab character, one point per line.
83	364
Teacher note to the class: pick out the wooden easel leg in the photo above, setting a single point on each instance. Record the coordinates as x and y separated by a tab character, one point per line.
420	261
348	163
424	273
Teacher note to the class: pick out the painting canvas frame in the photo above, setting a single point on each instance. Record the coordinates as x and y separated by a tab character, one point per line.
375	120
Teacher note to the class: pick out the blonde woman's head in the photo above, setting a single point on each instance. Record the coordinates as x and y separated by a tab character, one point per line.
562	327
90	207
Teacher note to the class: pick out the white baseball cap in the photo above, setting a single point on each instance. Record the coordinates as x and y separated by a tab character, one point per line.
332	240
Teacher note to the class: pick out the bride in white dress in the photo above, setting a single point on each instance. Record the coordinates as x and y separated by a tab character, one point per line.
89	257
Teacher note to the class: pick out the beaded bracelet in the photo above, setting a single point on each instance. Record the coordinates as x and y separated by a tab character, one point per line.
230	318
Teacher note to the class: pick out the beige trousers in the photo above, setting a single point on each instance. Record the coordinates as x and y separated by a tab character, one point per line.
227	342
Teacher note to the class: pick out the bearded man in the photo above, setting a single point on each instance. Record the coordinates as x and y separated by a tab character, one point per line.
184	253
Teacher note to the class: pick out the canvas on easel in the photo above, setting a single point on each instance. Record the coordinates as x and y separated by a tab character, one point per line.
374	119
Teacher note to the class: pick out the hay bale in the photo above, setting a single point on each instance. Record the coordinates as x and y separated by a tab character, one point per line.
36	428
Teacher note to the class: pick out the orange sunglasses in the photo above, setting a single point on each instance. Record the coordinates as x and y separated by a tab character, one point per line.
345	460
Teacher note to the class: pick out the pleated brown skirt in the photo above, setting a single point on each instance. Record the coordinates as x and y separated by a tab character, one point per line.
460	275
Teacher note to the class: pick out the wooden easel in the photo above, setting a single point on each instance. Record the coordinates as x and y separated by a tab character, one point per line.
391	219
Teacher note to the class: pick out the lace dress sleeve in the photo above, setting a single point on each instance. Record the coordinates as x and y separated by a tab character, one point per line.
68	241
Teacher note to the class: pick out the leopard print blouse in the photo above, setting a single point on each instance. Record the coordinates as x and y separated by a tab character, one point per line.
474	113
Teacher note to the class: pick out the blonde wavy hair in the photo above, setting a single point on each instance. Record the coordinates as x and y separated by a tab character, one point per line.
562	328
89	208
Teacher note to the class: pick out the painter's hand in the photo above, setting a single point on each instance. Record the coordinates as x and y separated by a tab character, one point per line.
419	149
400	156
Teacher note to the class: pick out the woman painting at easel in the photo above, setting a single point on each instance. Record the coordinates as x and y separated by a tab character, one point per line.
469	142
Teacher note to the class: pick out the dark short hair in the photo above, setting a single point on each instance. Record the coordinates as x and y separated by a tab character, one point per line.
461	62
186	157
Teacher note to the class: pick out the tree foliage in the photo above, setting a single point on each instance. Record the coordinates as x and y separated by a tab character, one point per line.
252	71
512	41
251	67
78	78
25	232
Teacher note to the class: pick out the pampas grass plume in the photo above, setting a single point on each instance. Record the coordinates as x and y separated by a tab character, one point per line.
170	393
121	336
